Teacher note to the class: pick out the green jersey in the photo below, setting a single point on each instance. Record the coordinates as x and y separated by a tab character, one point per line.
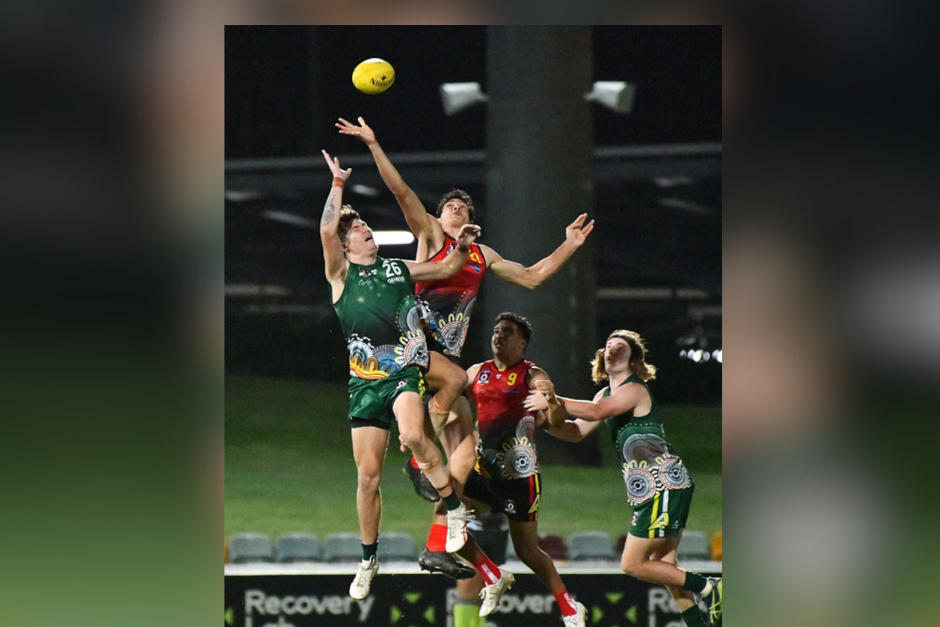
380	319
625	425
648	462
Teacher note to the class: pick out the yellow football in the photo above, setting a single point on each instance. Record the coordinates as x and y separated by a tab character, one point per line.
373	76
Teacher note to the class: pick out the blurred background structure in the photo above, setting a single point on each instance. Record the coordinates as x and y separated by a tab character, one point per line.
644	159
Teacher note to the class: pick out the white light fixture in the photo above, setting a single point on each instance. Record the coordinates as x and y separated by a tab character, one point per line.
255	289
393	238
289	218
617	96
717	355
365	190
458	96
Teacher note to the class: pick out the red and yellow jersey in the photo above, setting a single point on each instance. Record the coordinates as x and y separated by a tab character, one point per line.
449	302
507	430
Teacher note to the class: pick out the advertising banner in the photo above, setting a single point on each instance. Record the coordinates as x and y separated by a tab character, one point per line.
427	601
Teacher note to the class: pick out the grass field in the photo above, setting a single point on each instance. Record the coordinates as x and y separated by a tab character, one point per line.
289	467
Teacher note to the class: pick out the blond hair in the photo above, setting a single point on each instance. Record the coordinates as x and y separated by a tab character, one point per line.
638	365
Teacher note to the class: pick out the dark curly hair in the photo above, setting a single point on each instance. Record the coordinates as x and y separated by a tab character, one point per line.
522	323
460	195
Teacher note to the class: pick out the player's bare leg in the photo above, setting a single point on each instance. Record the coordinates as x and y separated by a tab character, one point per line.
495	580
459	442
525	539
643	558
369	445
449	380
409	411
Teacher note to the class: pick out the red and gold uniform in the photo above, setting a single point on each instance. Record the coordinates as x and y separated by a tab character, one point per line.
506	475
448	303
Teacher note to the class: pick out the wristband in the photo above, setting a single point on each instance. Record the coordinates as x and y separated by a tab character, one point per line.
338	182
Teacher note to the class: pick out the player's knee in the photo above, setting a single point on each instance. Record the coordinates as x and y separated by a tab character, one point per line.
459	381
630	567
412	437
528	554
369	479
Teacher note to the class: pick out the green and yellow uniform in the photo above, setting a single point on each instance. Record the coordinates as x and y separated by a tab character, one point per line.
658	484
387	349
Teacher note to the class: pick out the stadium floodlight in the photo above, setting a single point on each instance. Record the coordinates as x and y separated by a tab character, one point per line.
393	238
458	96
617	96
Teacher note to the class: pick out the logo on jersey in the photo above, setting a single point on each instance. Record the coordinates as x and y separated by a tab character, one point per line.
485	377
401	384
511	506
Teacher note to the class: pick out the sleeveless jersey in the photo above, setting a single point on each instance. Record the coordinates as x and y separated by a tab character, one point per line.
507	443
447	303
380	320
648	462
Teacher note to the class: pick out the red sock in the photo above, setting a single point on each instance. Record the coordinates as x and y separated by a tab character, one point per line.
487	569
414	462
565	603
437	539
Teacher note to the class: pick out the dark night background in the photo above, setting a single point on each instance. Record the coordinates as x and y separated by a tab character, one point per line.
657	193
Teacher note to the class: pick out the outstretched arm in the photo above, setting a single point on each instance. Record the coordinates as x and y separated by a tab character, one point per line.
535	275
573	430
451	264
333	257
421	223
558	424
623	399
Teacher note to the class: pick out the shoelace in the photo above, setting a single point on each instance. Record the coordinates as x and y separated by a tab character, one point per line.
488	587
466	516
361	573
714	611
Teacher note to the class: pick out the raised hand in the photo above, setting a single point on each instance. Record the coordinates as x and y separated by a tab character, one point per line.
334	166
535	401
577	231
468	233
363	132
547	389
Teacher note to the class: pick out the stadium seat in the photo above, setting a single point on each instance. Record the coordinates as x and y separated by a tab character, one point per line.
694	546
245	548
716	546
590	545
491	532
554	546
621	541
297	547
342	547
395	546
511	552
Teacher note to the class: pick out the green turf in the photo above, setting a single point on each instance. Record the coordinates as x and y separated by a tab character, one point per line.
289	467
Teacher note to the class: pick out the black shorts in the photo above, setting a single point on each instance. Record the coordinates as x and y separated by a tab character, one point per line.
517	498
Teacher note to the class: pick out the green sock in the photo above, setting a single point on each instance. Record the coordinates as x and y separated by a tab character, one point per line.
467	614
452	502
693	617
694	582
368	550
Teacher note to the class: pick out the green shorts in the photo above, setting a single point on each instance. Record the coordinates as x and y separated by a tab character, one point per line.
370	402
663	515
